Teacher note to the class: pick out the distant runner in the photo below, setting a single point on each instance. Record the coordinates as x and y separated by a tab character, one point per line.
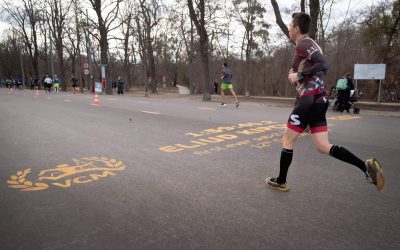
48	82
227	84
56	84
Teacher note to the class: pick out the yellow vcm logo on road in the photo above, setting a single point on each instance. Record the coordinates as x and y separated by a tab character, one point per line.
83	171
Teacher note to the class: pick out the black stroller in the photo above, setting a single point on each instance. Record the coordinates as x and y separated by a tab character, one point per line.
345	100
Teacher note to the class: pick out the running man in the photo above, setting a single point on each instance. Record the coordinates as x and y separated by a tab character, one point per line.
48	82
227	84
74	81
308	68
56	83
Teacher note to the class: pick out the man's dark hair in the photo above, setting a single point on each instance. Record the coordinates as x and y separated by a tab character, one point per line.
225	64
303	21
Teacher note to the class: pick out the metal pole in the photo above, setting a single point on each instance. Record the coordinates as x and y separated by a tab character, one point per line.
379	92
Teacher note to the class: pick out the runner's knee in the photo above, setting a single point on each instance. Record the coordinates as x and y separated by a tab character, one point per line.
288	142
323	148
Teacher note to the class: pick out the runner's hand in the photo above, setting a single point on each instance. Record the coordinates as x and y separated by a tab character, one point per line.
293	78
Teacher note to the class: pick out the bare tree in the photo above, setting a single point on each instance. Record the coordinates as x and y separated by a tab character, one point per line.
58	16
225	31
149	13
142	52
9	54
104	25
324	19
74	43
127	30
199	21
173	41
189	45
314	12
27	18
250	14
278	17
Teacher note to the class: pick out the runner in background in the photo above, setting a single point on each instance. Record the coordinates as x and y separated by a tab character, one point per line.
227	84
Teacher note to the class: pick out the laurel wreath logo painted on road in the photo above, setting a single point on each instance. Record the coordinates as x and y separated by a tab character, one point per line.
83	171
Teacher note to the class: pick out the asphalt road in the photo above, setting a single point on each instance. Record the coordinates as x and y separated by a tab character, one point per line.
178	173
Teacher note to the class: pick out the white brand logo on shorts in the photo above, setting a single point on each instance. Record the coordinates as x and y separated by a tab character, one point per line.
294	120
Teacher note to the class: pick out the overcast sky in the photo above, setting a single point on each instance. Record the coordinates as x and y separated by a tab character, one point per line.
339	12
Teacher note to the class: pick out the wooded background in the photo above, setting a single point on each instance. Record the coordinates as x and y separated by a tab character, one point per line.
187	41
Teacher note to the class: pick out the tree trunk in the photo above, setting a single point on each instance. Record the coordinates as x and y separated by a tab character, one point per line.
151	63
60	55
201	30
314	11
104	54
205	63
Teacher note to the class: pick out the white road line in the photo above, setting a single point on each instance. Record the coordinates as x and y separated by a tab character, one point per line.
67	100
149	112
143	102
206	108
112	99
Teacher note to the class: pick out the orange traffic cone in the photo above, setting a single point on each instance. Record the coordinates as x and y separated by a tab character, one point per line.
96	101
37	93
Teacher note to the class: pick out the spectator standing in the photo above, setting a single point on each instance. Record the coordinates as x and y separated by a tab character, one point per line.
113	85
216	86
36	83
32	83
121	86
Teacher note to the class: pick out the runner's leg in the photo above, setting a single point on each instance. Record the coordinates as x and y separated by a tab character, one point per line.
234	95
222	95
322	144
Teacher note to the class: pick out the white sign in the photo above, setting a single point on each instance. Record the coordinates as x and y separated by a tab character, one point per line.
369	71
86	72
98	88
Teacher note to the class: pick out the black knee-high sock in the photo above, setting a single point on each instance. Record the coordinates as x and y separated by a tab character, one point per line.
286	159
344	155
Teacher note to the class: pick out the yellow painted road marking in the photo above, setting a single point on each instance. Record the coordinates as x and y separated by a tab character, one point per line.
149	112
82	171
206	108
